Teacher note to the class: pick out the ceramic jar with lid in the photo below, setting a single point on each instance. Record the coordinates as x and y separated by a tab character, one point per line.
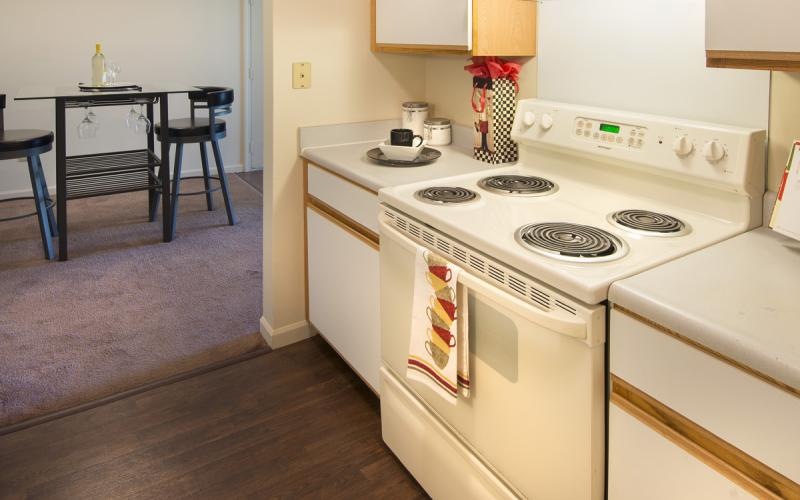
437	131
414	115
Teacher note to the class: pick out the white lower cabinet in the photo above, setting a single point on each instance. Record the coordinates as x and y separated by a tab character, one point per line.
343	294
644	464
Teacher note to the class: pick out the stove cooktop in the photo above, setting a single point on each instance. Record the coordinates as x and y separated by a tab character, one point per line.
578	238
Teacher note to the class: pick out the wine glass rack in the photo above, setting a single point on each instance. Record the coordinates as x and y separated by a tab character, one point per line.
102	174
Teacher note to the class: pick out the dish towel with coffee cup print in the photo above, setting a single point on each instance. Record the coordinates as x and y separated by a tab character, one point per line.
439	352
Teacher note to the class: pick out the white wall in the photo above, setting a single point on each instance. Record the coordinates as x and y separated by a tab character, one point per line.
349	83
646	56
52	41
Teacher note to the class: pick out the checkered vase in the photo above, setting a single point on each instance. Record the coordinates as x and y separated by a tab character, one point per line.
494	103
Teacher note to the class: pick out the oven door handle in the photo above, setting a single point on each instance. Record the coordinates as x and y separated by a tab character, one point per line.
554	320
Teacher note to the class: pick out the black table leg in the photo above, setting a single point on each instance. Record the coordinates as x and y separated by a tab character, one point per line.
61	179
166	203
152	194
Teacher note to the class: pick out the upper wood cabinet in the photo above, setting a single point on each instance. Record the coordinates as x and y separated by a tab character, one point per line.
753	34
470	27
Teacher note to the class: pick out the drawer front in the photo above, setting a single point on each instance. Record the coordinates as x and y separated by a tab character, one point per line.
343	286
430	451
741	409
354	201
644	464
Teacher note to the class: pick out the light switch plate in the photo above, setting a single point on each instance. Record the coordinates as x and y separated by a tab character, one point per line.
301	75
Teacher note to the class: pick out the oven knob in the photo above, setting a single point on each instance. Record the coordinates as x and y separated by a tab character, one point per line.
713	151
682	146
547	122
529	118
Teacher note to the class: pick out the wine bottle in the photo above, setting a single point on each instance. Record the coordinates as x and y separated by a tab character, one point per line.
98	66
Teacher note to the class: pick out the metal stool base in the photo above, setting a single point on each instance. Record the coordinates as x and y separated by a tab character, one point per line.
205	191
50	203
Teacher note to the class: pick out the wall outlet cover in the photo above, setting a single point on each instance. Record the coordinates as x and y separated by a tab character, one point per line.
301	75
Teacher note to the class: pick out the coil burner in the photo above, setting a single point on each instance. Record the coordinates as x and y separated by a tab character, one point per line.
518	185
571	242
446	195
649	223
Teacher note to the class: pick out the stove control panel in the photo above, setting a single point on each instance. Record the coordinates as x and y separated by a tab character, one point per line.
728	157
608	133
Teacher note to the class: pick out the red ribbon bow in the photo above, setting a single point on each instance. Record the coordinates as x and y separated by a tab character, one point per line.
494	67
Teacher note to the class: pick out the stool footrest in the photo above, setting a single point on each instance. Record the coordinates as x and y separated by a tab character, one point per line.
50	204
205	191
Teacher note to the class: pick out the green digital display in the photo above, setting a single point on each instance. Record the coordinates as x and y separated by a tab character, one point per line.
612	129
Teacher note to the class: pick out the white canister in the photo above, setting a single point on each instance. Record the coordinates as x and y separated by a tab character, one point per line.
438	132
414	115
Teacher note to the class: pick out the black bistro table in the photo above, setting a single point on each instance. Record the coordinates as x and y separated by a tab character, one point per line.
101	174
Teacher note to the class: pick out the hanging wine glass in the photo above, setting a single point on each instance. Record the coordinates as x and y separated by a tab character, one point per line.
93	117
86	128
133	115
142	123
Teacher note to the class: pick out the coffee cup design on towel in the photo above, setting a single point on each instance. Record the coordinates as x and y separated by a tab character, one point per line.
436	282
444	308
439	310
436	321
446	293
443	338
439	357
434	260
444	273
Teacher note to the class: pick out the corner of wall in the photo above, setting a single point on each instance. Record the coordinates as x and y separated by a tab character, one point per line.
286	335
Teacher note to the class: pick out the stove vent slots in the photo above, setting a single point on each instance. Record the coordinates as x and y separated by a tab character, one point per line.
517	284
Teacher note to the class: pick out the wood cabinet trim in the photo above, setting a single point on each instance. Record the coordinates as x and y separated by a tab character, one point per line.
711	352
421	49
777	61
340	176
354	228
739	467
486	21
305	235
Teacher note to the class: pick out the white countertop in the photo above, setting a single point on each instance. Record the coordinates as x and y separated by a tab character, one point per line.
343	150
350	161
740	298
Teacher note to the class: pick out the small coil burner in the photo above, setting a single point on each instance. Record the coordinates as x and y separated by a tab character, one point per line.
446	195
518	185
571	242
649	223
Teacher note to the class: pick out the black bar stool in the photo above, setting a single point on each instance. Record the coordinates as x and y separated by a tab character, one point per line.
217	100
30	144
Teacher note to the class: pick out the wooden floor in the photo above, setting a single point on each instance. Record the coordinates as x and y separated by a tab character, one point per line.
294	423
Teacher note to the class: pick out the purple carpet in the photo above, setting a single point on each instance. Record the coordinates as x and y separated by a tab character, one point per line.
126	309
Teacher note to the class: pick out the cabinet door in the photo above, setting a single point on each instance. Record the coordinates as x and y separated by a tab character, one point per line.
753	35
644	464
343	293
436	25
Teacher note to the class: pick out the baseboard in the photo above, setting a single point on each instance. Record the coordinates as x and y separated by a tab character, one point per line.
229	169
285	335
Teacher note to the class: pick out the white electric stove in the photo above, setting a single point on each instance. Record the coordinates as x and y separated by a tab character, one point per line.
598	195
577	173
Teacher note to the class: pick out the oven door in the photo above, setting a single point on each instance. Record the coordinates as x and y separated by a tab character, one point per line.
535	414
